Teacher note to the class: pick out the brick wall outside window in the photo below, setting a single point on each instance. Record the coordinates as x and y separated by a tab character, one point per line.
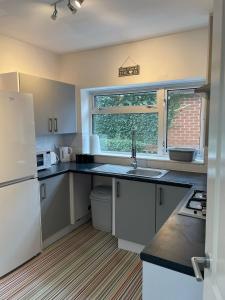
185	129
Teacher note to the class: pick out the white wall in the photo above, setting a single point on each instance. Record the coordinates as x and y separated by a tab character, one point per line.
176	56
23	57
172	57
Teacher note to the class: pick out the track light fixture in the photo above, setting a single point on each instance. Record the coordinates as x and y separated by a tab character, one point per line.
78	3
71	7
55	13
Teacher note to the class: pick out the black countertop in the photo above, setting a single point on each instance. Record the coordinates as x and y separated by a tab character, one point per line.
64	168
180	238
177	178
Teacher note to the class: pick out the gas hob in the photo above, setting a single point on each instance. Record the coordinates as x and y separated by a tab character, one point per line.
195	206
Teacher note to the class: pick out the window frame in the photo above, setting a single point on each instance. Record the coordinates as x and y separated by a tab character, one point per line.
160	108
123	109
203	119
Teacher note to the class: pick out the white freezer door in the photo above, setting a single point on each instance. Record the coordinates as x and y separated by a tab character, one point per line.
20	225
17	136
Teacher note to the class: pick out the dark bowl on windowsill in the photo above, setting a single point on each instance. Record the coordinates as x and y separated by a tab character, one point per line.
182	154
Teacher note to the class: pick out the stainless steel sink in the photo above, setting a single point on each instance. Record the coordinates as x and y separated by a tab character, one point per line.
145	172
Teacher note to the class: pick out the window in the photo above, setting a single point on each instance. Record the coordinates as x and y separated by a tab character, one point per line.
116	115
185	119
163	118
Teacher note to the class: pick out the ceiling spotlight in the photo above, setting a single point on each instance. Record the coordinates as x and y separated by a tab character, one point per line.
55	13
78	3
71	7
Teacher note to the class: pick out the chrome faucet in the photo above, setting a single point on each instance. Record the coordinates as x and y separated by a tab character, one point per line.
134	149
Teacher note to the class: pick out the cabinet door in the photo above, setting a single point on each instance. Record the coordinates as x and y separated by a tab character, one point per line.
167	199
55	204
54	104
82	190
135	211
42	91
64	108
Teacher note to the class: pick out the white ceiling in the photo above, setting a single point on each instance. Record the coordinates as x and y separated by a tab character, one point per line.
99	22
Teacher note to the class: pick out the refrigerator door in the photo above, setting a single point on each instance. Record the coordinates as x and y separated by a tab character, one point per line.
17	136
20	225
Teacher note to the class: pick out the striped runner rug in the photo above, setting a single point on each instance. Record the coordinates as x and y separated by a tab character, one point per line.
84	265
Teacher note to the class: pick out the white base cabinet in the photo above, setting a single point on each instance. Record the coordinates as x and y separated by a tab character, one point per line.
163	284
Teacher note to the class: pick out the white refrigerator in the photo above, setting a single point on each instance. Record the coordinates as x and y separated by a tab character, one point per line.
20	225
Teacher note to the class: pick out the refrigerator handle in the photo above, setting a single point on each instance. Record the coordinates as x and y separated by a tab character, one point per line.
43	191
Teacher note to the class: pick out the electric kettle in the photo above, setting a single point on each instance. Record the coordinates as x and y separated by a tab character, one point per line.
54	158
65	154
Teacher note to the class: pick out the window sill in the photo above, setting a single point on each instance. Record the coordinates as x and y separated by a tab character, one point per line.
159	158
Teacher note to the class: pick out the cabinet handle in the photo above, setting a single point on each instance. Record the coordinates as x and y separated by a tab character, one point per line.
50	125
160	197
117	189
56	124
43	191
